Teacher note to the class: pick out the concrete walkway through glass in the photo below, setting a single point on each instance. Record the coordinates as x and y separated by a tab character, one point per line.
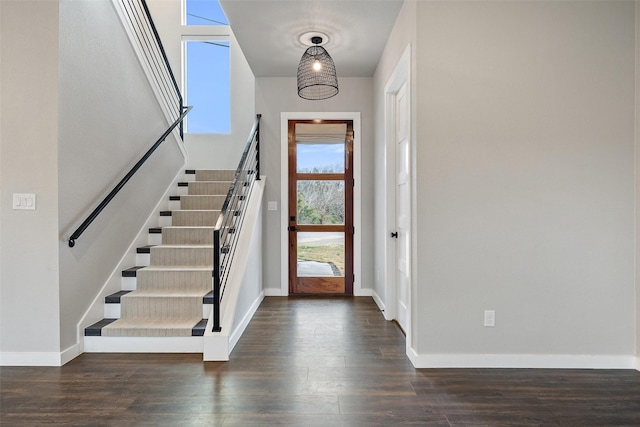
314	269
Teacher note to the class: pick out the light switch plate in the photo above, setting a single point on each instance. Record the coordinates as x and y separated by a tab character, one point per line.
272	206
490	318
24	202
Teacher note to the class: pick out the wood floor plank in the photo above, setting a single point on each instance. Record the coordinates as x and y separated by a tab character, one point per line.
312	361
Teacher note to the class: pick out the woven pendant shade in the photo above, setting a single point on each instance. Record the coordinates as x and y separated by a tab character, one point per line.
317	74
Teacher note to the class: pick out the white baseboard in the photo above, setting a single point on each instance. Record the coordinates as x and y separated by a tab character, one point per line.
360	292
70	353
237	332
143	344
274	292
637	363
542	361
26	358
379	303
30	359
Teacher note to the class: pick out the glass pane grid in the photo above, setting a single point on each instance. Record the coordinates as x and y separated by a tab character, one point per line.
320	158
320	202
321	254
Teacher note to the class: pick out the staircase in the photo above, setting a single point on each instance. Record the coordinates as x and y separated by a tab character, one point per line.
169	293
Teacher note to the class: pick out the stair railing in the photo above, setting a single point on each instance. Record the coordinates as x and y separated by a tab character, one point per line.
137	18
229	224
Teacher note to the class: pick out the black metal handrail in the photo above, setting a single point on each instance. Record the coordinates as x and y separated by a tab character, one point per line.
227	229
124	180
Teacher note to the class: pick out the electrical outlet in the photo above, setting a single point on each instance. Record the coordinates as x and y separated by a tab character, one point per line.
272	206
490	318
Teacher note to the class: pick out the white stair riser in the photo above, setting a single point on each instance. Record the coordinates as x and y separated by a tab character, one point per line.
128	284
143	344
155	239
143	259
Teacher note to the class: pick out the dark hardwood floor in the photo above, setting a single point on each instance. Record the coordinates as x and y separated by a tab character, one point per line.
311	362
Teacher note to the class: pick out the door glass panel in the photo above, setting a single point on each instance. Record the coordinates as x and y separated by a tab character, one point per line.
320	254
320	158
320	202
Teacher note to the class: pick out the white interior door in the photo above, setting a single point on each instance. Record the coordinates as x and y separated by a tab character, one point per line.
403	209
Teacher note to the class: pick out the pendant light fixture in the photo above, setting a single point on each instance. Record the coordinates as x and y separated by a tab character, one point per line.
317	77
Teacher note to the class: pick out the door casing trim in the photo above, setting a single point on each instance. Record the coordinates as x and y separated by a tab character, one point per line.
357	197
400	75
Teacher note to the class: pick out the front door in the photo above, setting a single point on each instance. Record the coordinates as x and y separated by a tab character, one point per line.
320	207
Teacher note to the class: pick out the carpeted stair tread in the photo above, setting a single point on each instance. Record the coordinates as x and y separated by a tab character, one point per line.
208	187
215	175
185	255
168	293
188	235
160	306
202	201
174	268
168	278
143	327
194	218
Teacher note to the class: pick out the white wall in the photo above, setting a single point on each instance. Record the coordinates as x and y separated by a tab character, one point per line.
29	284
210	151
525	191
275	95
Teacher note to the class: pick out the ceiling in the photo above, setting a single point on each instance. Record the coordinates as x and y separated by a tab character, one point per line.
269	31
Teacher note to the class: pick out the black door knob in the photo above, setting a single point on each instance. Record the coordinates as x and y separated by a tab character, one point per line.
394	234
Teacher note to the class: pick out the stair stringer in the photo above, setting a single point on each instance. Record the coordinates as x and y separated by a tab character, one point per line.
244	291
96	309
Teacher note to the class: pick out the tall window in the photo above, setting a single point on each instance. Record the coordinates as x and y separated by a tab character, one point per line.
204	12
206	67
208	86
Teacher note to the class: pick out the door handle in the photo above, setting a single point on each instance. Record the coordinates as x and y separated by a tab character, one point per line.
394	234
292	228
